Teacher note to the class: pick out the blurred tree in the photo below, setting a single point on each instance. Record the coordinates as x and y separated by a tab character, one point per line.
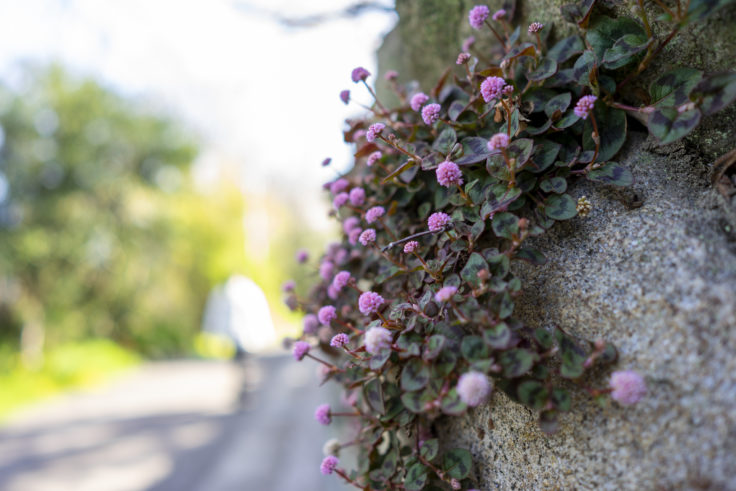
101	232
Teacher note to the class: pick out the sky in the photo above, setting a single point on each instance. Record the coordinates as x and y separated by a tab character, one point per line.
262	95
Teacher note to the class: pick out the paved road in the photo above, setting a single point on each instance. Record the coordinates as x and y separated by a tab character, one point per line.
176	426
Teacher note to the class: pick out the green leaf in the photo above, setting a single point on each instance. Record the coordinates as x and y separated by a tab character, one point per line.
456	109
504	225
373	394
583	67
537	97
469	273
573	356
578	12
558	103
674	87
700	9
531	255
379	359
435	344
669	125
412	401
547	67
566	49
415	375
498	336
517	362
457	463
625	50
533	394
445	363
445	141
452	404
544	338
612	125
604	31
429	449
560	206
475	149
562	399
715	92
554	185
545	153
416	477
609	354
612	173
549	421
523	49
473	348
502	305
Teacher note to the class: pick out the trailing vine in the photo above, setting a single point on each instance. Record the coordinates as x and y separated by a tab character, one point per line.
414	310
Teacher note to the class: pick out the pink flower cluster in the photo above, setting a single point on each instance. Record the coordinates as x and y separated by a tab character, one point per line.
300	350
369	302
445	294
311	323
341	280
322	414
345	96
374	214
374	131
492	88
535	27
376	339
478	16
498	141
368	236
411	246
628	387
499	14
473	388
327	314
448	174
339	340
372	158
329	464
438	221
462	58
584	106
359	74
431	113
418	100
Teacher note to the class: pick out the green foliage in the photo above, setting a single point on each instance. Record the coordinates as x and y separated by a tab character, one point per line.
513	134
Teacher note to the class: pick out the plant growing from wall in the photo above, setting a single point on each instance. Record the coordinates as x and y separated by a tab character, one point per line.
414	312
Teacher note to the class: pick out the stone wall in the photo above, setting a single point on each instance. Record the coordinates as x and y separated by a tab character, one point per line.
652	269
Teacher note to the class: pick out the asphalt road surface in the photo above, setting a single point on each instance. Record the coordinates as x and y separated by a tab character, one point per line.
176	426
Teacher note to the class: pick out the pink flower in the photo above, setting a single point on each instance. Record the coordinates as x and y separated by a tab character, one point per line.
358	135
302	256
326	162
374	214
499	14
462	58
339	340
438	221
508	90
340	199
357	196
498	141
339	185
329	464
373	157
341	255
473	388
418	100
332	292
359	74
327	314
322	414
391	75
376	339
326	269
310	324
354	235
492	88
345	96
350	223
301	348
448	174
341	280
478	16
374	131
411	246
445	294
584	106
288	286
628	387
431	113
368	236
369	302
468	43
535	27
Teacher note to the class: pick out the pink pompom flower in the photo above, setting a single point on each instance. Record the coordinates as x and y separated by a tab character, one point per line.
478	16
341	280
499	14
288	286
368	236
326	162
369	302
327	314
345	96
339	185
374	131
302	256
311	323
326	269
468	43
372	158
339	340
350	223
374	214
445	294
628	387
322	414
359	74
376	339
431	113
300	350
391	75
418	100
535	27
498	141
340	200
329	464
473	388
448	174
462	58
354	235
357	196
411	246
492	88
438	221
585	106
